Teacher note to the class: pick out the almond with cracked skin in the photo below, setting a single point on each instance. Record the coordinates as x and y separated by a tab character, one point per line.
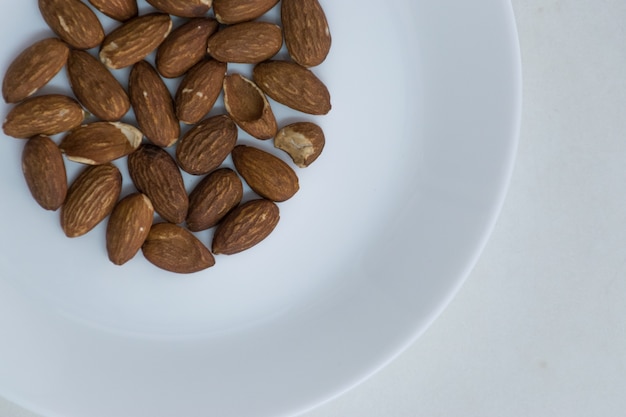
246	43
307	35
182	8
175	249
73	21
134	40
90	199
155	173
207	145
265	173
34	68
185	47
248	106
153	105
43	115
294	86
96	88
229	12
128	227
199	90
245	227
303	141
216	195
121	10
44	172
100	142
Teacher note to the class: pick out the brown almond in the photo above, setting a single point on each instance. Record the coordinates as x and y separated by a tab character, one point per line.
185	47
294	86
90	199
216	195
175	249
182	8
155	173
43	115
153	105
34	68
128	227
303	141
100	142
44	171
134	40
207	145
199	90
73	21
96	88
307	35
121	10
265	173
245	227
236	11
246	43
248	106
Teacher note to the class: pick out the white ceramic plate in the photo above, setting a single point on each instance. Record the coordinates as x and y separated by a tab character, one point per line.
387	224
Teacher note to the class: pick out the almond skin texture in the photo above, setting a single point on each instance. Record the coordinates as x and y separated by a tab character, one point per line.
248	106
43	115
72	21
96	88
294	86
90	199
128	227
100	142
307	35
266	174
237	11
174	249
206	145
134	40
199	90
182	8
245	227
121	10
246	43
216	195
44	172
185	47
34	68
155	173
153	105
303	141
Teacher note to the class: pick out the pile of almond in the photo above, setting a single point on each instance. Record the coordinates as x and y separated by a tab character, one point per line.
208	35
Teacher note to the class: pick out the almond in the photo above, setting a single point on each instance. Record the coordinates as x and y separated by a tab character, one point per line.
44	171
199	90
153	105
96	88
207	145
155	173
121	10
43	115
245	227
265	173
90	199
237	11
72	21
128	227
248	106
134	40
217	194
307	35
303	141
185	47
182	8
246	43
294	86
174	249
100	142
33	69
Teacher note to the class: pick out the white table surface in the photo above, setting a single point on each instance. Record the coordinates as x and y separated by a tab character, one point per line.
539	329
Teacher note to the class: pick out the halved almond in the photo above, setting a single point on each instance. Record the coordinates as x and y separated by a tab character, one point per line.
248	107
